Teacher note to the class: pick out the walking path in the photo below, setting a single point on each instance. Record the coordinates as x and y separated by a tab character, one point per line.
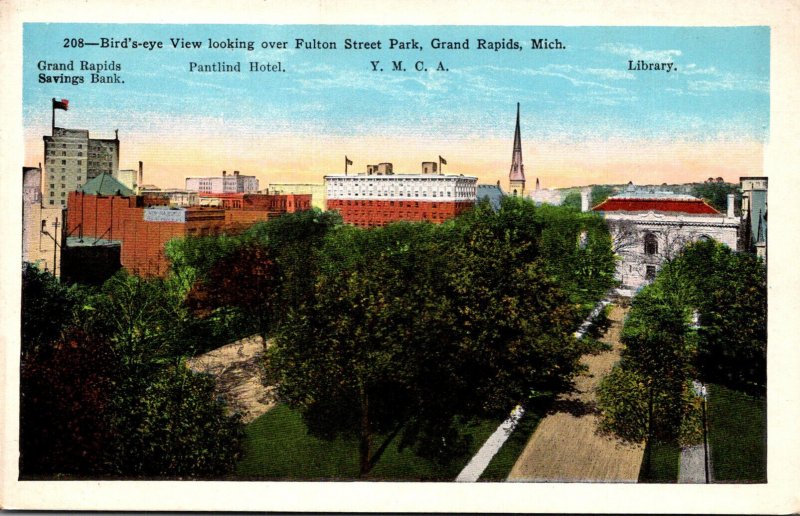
472	472
693	468
239	373
566	446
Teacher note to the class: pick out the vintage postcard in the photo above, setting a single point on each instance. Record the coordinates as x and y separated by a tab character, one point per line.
386	259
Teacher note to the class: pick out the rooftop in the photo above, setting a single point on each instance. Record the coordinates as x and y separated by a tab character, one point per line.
104	184
661	203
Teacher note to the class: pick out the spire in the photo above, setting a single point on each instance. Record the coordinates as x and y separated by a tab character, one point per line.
760	234
517	170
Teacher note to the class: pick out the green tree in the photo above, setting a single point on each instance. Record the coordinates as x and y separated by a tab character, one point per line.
47	308
247	279
729	292
424	327
572	200
716	193
600	193
166	420
65	377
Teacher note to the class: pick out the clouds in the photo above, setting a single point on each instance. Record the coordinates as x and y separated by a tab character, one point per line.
634	52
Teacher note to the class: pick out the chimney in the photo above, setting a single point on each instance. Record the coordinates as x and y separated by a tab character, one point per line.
141	175
730	206
224	173
585	200
235	172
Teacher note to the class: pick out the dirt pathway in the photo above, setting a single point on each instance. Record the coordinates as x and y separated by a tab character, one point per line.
237	367
565	446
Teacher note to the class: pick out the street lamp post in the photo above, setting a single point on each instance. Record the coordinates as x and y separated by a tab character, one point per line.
56	245
704	394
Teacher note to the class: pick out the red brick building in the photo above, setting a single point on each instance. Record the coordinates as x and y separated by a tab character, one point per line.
142	226
376	199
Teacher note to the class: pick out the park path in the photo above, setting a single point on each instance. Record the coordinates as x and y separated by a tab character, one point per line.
566	446
239	373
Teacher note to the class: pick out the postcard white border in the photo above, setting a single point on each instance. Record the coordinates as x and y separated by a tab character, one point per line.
782	156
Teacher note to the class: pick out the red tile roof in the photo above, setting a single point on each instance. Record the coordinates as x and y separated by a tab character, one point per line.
694	206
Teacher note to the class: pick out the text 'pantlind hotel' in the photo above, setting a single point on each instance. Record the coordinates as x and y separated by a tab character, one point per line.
379	196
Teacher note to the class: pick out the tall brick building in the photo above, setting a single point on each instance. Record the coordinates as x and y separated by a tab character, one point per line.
379	197
142	225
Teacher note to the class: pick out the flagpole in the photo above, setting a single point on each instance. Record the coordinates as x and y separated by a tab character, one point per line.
53	117
345	165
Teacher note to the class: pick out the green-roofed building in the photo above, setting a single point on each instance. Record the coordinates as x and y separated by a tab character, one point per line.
104	184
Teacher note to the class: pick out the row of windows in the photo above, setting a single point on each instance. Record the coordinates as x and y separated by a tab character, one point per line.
409	204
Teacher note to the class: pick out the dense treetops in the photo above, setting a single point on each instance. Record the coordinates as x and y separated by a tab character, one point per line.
704	318
410	328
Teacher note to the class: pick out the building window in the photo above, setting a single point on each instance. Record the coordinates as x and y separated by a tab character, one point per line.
650	273
650	244
63	162
52	201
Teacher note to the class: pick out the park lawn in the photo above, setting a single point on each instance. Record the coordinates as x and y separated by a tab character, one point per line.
737	435
501	464
277	447
665	464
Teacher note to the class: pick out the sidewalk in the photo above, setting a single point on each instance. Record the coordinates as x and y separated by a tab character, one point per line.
565	446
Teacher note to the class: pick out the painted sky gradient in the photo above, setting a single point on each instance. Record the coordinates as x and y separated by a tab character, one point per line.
585	117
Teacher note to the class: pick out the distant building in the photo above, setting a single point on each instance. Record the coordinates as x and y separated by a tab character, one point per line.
380	196
315	190
226	183
491	193
42	225
129	178
72	158
246	209
754	215
546	195
174	197
648	228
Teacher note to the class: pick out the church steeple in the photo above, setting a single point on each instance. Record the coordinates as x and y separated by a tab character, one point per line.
516	177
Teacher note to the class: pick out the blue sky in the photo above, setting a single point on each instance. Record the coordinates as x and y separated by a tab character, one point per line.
720	90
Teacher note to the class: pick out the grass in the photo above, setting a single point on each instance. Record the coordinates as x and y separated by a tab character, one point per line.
501	464
665	463
277	447
737	435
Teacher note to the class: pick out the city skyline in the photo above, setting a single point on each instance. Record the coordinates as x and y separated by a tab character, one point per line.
586	116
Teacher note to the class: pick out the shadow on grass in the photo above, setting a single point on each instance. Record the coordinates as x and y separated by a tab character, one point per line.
665	463
278	447
737	435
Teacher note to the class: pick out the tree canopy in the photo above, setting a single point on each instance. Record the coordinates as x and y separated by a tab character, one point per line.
704	317
417	327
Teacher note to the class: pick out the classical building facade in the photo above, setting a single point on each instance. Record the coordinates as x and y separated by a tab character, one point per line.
226	183
648	228
380	197
71	159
